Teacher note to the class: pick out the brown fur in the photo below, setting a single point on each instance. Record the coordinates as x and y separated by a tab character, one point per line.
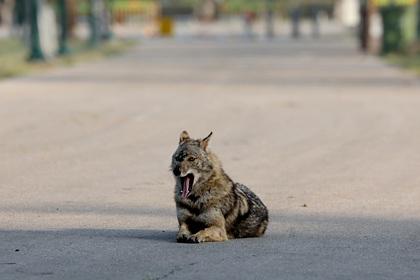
216	208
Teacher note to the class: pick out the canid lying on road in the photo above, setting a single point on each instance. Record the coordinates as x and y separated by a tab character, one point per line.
210	206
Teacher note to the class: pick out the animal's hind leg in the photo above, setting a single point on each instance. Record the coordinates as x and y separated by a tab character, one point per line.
262	228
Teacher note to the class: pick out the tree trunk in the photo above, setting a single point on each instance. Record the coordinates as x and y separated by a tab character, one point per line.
35	52
64	30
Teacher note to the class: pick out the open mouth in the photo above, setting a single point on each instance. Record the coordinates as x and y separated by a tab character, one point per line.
186	182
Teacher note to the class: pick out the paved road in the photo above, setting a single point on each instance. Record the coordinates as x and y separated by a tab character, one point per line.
85	188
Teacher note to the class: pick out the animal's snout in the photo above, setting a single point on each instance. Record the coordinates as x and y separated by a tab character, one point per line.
177	170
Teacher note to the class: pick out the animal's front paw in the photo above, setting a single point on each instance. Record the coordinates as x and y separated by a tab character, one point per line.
183	238
211	234
188	239
196	238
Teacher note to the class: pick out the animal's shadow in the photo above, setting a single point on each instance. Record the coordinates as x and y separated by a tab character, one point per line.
162	235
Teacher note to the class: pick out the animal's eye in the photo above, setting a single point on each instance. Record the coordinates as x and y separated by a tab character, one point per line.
191	158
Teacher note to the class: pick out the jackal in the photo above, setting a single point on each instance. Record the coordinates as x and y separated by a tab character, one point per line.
210	206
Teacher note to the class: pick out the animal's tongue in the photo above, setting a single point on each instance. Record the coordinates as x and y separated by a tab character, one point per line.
185	187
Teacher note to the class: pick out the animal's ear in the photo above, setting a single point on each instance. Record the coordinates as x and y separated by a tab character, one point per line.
183	137
205	142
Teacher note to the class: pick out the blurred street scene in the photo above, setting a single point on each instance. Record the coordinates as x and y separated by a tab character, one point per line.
45	27
313	104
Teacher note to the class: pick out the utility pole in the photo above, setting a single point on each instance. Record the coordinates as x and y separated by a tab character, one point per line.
63	48
35	52
269	19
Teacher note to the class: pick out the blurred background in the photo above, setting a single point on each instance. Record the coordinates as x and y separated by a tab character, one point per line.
38	30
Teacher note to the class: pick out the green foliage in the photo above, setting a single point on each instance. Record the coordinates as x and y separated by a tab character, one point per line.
392	37
400	23
407	61
280	6
409	25
83	7
13	54
237	6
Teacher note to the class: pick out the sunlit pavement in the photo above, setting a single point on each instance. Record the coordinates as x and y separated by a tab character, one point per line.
327	137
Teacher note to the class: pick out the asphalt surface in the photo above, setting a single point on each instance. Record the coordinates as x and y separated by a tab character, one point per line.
327	137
